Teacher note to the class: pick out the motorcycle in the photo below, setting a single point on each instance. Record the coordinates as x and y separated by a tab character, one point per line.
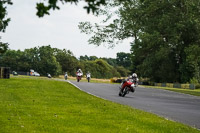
66	76
49	75
79	75
88	77
128	86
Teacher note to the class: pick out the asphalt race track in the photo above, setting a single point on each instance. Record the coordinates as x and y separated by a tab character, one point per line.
171	105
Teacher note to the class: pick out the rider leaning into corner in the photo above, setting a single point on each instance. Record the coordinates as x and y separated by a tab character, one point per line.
135	80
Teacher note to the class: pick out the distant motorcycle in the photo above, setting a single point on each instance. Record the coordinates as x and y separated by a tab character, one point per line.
66	76
88	76
128	86
79	76
48	75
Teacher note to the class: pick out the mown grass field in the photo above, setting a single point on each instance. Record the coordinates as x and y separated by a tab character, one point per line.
40	105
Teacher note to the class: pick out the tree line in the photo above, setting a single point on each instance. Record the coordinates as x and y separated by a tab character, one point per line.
56	61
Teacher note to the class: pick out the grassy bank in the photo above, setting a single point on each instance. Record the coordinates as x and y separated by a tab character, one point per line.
195	92
40	105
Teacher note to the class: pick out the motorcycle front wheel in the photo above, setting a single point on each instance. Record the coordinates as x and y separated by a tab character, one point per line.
120	93
125	91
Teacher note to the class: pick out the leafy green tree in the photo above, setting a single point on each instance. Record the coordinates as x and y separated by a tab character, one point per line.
84	58
42	60
193	63
124	59
110	61
33	58
67	60
93	58
16	60
3	22
3	47
100	69
122	71
47	61
162	33
91	67
9	59
42	9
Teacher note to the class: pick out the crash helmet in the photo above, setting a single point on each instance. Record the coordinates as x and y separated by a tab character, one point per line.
134	75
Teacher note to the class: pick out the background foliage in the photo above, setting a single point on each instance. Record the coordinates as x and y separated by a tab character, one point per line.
55	61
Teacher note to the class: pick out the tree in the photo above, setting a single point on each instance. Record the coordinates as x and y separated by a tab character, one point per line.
16	60
124	59
3	23
85	58
3	20
42	60
123	71
48	62
162	33
100	69
193	63
42	9
3	47
67	60
110	61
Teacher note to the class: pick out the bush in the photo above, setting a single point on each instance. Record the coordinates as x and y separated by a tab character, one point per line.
194	81
197	86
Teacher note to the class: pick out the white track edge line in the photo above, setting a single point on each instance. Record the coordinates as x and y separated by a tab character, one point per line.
85	91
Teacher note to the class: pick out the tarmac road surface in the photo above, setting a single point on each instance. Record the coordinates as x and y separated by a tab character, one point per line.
171	105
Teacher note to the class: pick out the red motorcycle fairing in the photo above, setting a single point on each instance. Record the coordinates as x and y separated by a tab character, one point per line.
79	76
127	83
127	86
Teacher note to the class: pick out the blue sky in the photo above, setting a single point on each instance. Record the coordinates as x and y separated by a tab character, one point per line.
60	30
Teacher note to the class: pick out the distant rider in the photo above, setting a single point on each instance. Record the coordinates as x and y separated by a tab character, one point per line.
66	75
88	74
48	75
79	71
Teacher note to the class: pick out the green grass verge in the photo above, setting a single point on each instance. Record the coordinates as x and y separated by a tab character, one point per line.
195	92
40	105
